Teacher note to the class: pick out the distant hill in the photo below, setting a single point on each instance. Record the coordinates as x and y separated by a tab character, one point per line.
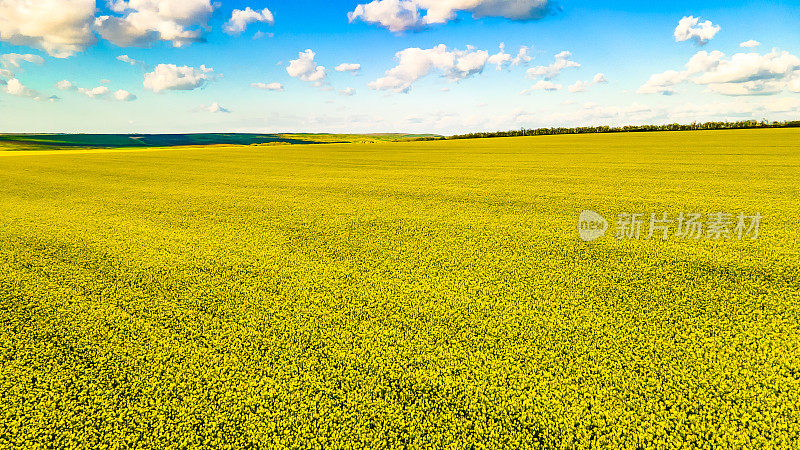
55	141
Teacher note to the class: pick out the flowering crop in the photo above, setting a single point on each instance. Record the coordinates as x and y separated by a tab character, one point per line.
415	294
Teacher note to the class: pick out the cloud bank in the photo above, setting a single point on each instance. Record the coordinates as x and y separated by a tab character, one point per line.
140	23
401	15
741	74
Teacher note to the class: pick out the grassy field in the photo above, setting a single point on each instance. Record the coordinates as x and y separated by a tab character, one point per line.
400	295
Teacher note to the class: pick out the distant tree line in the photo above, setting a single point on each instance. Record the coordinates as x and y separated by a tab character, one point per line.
745	124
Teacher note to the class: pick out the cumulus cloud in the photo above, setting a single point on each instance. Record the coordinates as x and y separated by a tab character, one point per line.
562	61
579	86
347	91
15	87
690	27
750	73
268	86
66	85
305	68
59	27
582	86
241	18
415	63
177	78
741	74
542	85
663	83
140	23
124	96
98	92
503	59
400	15
347	67
750	44
214	108
9	64
12	61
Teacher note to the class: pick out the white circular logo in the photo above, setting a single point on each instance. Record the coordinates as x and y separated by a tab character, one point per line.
591	225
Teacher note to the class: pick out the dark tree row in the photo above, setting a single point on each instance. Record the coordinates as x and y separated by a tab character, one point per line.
629	129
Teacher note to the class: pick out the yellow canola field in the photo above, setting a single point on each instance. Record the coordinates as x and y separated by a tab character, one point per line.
400	295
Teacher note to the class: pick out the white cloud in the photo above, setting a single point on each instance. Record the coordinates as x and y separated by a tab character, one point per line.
124	96
744	67
582	86
59	27
347	67
12	61
542	85
143	22
415	63
98	92
562	61
741	74
65	85
305	68
396	15
268	86
703	61
750	44
347	91
127	59
579	86
178	78
261	35
662	83
400	15
794	85
15	87
503	59
690	27
214	108
241	18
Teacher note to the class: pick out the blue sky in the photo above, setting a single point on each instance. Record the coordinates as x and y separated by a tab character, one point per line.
633	59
